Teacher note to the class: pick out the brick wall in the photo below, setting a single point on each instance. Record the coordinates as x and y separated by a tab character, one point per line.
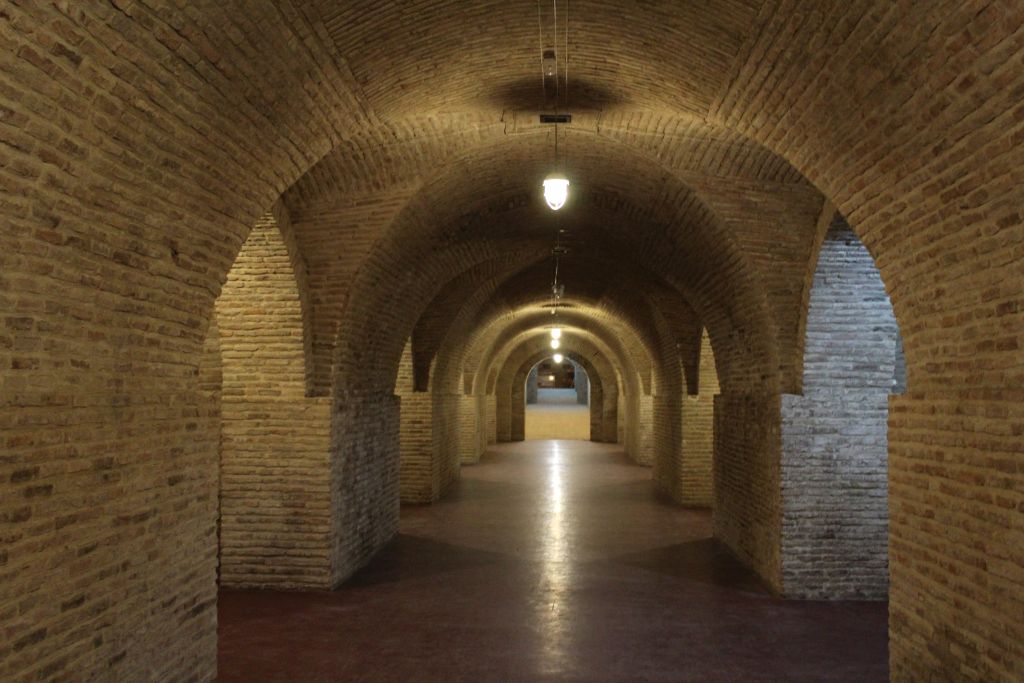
597	409
470	427
448	438
834	446
492	418
139	147
417	470
747	505
955	537
142	139
642	443
364	484
698	443
603	405
439	430
685	435
274	449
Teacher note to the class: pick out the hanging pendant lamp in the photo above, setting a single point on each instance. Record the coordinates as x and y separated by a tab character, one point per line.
556	191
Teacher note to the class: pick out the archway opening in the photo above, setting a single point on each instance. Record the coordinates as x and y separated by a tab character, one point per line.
834	463
557	400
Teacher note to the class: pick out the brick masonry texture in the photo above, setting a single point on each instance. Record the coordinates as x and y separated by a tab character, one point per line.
686	473
274	446
834	443
143	141
747	495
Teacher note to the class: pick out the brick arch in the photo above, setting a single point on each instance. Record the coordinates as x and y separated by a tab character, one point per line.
632	368
511	374
389	306
439	323
638	403
908	124
491	197
166	150
619	296
147	157
458	329
494	334
891	187
595	403
634	407
536	339
272	436
263	312
834	435
920	164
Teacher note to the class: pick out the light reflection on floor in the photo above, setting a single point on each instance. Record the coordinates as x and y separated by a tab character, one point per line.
556	566
552	561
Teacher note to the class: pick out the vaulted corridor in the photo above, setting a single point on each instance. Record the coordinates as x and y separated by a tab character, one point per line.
553	560
282	283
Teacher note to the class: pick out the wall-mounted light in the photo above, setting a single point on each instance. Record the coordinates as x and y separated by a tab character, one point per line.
558	357
556	191
555	343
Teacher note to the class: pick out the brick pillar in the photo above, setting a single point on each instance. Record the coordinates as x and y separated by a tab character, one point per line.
275	441
747	505
696	464
364	498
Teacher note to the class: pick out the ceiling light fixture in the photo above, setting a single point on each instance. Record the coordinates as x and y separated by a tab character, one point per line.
558	358
556	185
556	190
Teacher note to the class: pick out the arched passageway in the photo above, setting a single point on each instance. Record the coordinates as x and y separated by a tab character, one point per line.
557	400
270	268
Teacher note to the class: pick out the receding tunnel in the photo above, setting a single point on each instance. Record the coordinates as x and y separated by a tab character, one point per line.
280	291
557	400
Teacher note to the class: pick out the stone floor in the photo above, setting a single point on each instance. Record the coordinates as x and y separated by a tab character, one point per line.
553	561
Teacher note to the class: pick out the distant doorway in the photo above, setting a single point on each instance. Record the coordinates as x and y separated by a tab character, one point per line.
557	401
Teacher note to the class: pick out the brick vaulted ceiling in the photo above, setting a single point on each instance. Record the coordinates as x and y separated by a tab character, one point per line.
396	146
449	150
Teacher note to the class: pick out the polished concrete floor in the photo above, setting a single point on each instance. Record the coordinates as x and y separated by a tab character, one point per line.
553	561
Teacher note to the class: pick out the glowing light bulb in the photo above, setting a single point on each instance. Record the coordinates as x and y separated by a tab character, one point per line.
556	191
558	357
555	343
551	378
